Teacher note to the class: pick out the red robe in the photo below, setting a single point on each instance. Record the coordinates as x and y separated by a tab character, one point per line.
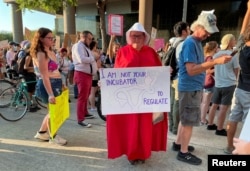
134	134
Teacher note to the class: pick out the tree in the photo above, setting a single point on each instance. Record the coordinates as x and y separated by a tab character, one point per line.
4	35
52	6
101	4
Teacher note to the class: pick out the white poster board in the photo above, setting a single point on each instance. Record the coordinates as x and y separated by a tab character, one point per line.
115	26
135	90
244	134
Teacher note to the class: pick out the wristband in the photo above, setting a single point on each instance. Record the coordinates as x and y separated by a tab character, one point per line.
51	95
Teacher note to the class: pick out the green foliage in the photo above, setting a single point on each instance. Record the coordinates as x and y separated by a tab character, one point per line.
6	36
48	5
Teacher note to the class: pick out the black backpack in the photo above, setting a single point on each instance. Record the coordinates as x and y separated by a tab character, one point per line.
21	62
169	59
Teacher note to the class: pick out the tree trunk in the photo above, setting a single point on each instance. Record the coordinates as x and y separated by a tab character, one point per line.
101	8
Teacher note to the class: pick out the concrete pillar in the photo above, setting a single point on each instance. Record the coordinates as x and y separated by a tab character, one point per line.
17	23
146	14
69	20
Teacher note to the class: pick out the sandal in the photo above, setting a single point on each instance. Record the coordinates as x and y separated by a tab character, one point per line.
204	123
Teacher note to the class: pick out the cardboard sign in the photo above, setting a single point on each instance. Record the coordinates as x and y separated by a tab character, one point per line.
73	38
57	44
4	44
28	34
135	90
152	37
65	40
115	25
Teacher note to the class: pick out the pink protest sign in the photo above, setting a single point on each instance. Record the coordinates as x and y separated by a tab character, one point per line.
115	26
159	43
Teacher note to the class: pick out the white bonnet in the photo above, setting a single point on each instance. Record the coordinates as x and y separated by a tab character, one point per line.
140	28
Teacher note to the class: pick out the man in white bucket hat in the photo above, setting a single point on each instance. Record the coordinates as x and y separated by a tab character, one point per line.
134	135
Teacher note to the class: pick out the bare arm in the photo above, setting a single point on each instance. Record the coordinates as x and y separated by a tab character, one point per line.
210	71
236	71
241	146
246	18
27	64
110	47
194	69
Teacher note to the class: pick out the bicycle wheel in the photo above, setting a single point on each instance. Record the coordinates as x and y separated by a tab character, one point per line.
99	106
4	84
13	105
40	102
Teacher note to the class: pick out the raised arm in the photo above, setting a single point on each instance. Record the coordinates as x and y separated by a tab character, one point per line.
246	19
110	47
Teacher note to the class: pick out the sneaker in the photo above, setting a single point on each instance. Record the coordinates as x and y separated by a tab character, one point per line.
229	150
189	158
211	127
32	110
222	132
42	136
34	106
85	124
58	140
177	147
89	116
37	108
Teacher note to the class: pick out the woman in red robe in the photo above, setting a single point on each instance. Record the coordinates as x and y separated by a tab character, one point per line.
135	135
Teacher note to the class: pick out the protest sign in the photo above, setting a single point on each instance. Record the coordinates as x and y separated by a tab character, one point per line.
4	44
115	26
59	112
135	90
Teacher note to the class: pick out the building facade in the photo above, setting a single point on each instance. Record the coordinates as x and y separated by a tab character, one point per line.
153	14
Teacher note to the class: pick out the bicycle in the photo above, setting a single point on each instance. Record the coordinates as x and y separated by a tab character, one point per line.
14	101
99	105
14	82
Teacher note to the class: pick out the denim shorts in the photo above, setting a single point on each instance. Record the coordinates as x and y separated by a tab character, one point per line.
240	107
56	85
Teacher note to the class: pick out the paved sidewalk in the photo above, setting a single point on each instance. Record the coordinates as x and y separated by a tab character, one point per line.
86	148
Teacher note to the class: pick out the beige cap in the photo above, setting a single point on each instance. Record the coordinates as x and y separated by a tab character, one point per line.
226	39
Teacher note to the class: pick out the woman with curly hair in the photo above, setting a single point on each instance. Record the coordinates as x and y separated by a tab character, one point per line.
49	84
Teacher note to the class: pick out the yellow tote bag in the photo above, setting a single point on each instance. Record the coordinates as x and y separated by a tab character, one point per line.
59	112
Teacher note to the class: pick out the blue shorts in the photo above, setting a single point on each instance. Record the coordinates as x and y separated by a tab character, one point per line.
56	85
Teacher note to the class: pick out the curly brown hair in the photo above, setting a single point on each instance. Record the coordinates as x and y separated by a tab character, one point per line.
37	45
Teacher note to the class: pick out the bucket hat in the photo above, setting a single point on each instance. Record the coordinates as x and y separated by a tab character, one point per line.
137	27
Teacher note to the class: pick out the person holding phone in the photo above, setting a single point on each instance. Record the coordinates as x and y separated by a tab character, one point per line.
225	82
241	105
